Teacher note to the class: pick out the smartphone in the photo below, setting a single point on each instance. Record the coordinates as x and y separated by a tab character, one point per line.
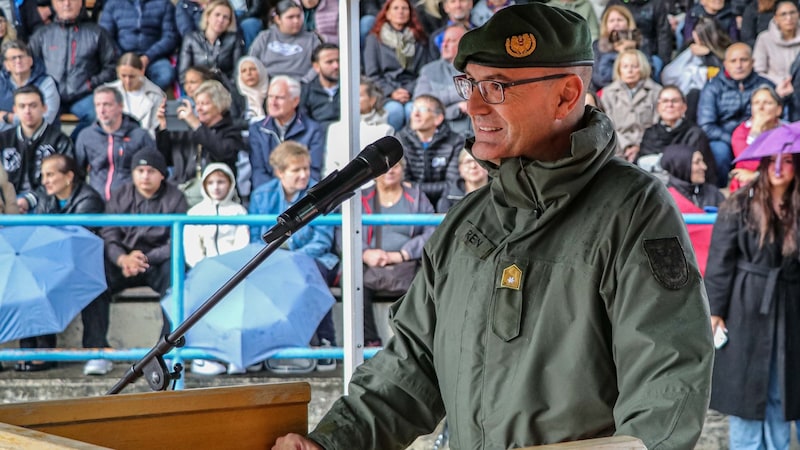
720	338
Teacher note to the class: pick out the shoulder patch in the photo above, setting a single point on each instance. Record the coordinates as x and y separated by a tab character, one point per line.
667	262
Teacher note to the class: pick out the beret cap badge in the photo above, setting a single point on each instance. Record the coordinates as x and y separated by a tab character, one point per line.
521	45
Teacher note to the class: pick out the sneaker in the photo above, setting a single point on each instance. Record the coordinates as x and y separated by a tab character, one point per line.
325	364
206	367
234	369
97	367
290	366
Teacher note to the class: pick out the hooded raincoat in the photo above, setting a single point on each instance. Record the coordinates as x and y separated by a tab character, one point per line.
560	302
202	241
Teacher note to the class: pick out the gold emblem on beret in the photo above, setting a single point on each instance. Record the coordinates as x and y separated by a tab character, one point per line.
521	45
511	278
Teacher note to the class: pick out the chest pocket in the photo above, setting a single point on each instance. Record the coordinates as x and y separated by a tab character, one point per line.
508	298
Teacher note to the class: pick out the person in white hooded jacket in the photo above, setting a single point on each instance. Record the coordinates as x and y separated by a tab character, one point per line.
201	241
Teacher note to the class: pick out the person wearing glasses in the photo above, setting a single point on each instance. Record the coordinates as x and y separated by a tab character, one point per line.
431	148
563	300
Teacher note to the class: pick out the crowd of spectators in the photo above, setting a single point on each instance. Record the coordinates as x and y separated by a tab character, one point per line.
165	90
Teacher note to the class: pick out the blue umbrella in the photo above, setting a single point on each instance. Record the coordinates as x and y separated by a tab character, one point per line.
279	305
47	276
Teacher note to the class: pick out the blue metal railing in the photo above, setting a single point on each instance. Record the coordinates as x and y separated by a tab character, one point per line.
176	222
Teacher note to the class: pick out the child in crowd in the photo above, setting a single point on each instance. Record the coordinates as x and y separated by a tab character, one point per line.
202	241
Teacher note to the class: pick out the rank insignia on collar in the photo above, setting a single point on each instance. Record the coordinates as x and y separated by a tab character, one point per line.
511	278
521	45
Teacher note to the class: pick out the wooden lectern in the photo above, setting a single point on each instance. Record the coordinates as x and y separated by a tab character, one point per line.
242	417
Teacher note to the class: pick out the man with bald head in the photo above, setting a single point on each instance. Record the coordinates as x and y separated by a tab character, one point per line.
560	302
725	103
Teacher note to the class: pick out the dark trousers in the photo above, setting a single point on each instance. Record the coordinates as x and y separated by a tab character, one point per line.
370	329
326	329
96	315
44	341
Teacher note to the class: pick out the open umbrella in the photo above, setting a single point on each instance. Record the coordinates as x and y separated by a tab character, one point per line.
47	276
784	139
279	305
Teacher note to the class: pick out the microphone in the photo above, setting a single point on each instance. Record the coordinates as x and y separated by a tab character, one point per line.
375	160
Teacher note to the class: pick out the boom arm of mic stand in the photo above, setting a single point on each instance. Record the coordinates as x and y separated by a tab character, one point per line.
152	364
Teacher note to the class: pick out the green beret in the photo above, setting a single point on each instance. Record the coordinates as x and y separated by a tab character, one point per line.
529	35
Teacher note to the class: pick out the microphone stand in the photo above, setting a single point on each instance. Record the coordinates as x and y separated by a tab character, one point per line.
152	364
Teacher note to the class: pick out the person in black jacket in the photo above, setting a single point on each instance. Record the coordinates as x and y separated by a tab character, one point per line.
319	98
652	18
26	145
62	192
79	54
673	127
215	45
213	137
431	148
135	255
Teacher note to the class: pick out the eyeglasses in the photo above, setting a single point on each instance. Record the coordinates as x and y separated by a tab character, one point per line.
492	91
16	57
670	101
786	14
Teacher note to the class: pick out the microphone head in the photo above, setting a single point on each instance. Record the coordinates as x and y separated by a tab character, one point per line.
382	155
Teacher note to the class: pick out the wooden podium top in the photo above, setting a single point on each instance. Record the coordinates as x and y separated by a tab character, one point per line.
608	443
243	417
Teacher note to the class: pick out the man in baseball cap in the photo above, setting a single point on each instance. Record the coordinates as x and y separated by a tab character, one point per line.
562	301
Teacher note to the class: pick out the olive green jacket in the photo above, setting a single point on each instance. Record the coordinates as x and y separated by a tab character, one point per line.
562	302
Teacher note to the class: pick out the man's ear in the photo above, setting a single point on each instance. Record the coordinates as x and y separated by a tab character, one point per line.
570	95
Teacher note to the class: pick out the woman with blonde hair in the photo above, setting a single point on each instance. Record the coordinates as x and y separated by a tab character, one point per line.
631	101
216	45
617	33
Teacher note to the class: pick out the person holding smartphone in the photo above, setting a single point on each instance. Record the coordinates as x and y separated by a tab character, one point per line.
753	282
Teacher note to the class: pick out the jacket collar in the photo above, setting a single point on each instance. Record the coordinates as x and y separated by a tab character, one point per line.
542	187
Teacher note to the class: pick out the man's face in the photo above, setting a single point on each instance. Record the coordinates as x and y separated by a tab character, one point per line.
108	111
29	109
738	62
280	103
458	10
518	126
67	9
147	180
424	116
450	42
328	65
17	62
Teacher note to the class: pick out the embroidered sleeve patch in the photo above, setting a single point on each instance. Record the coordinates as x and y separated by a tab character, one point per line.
667	262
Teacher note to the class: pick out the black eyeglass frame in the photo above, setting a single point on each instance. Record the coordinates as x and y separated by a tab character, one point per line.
503	85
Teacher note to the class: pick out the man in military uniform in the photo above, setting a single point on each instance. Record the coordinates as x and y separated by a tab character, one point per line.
560	302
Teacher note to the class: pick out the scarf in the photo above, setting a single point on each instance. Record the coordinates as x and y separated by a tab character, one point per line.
403	43
255	95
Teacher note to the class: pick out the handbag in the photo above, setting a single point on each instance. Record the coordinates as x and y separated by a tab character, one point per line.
391	279
394	279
